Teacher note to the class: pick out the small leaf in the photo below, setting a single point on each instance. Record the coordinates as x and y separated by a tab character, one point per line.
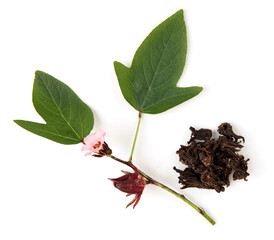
68	119
149	85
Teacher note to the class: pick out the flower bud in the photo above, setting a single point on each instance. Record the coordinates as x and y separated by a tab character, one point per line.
104	151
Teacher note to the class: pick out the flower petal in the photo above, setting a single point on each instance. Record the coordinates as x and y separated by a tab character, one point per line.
91	141
85	147
88	153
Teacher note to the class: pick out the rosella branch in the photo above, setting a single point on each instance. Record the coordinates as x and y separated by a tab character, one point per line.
135	138
156	183
119	160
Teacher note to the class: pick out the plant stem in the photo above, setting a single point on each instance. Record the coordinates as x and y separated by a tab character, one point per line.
156	183
181	196
119	160
135	138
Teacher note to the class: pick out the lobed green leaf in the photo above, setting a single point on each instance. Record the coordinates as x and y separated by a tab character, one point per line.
68	119
149	85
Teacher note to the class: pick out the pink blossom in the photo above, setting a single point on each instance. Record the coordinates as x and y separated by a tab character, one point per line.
94	142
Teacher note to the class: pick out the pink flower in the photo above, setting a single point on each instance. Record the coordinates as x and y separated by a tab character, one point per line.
131	183
94	142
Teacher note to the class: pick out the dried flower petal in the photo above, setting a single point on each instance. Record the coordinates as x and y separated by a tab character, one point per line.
225	129
201	134
211	161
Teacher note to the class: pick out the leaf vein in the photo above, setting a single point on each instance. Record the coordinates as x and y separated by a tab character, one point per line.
157	69
59	135
60	110
164	99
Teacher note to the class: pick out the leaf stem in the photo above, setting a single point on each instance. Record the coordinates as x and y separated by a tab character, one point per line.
156	183
135	138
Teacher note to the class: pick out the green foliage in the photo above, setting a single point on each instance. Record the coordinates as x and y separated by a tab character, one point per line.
149	85
68	119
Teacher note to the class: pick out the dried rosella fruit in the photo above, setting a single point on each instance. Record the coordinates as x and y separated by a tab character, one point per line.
201	134
211	161
225	129
131	183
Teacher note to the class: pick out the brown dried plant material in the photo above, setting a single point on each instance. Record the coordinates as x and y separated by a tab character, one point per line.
211	161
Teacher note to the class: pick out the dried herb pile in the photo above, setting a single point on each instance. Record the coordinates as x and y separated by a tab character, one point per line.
211	161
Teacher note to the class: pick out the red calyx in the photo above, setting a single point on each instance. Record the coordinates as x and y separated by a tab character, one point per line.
131	183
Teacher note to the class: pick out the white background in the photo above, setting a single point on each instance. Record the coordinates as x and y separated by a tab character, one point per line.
51	191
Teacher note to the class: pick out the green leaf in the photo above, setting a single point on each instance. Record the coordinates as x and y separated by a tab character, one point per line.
149	85
68	119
